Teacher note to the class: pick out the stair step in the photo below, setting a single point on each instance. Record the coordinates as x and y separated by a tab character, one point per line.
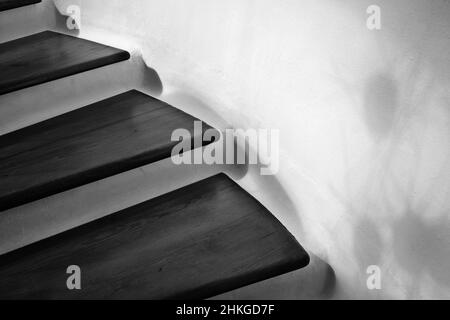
193	243
106	138
49	56
12	4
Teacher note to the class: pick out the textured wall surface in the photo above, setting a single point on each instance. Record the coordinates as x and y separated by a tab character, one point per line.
364	117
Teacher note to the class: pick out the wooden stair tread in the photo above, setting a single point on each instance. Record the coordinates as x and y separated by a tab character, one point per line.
91	143
193	243
12	4
49	56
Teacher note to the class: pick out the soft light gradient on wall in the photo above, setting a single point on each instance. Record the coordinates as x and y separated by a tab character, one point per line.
364	118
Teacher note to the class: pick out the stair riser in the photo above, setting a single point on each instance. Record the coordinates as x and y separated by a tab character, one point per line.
41	219
26	20
29	106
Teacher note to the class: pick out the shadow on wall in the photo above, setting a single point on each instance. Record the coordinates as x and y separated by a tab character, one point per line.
422	248
420	238
396	195
399	227
269	191
151	81
380	105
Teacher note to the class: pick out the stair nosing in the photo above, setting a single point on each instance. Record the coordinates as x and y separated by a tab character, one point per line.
115	56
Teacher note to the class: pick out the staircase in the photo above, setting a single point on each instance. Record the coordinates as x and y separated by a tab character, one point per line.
196	242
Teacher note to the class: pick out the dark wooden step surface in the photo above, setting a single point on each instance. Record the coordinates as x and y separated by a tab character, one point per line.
12	4
48	56
106	138
196	242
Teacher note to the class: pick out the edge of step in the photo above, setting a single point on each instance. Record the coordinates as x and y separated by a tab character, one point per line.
105	248
114	55
13	4
91	165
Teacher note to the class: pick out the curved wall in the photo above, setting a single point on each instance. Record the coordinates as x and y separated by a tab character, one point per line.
364	117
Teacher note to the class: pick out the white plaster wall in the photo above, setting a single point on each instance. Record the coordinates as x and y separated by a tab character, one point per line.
364	117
